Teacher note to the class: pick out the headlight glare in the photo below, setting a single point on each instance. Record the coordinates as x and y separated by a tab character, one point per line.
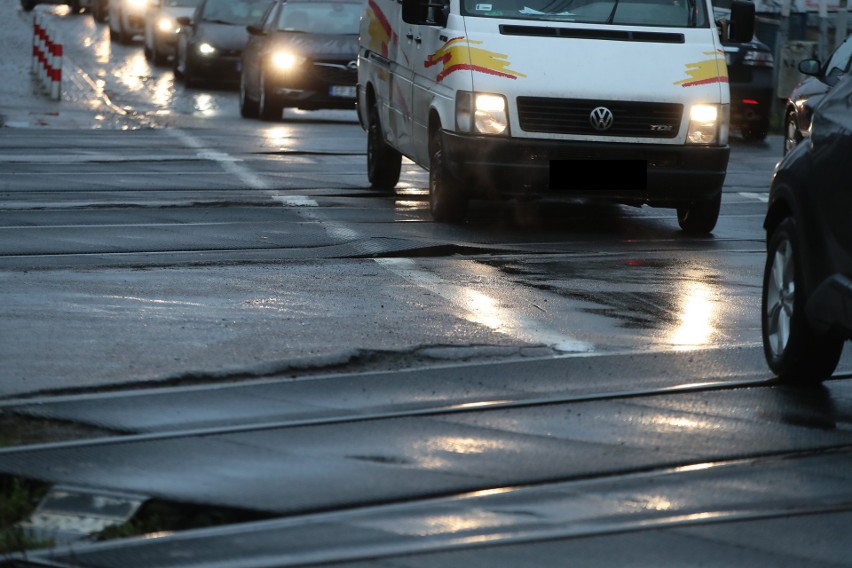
167	25
206	49
707	124
286	60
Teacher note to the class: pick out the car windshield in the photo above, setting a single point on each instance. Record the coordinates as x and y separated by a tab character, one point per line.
320	17
665	13
241	12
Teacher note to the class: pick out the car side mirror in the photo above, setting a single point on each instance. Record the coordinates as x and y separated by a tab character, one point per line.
255	30
810	67
184	21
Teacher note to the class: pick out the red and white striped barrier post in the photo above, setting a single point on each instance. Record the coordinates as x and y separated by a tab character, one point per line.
47	57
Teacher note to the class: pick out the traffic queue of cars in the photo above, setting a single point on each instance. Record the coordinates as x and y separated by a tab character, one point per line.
297	53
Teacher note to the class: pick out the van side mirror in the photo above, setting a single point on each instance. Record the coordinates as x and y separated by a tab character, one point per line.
742	21
425	12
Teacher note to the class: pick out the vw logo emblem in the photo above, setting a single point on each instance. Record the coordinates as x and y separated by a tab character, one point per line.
352	65
601	118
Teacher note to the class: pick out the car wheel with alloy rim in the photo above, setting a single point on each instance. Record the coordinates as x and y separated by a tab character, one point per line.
794	351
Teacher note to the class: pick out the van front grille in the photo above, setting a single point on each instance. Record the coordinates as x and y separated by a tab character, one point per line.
573	116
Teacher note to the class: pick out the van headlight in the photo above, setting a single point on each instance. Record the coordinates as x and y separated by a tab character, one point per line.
482	113
708	124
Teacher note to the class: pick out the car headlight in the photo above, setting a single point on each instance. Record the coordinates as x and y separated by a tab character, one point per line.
708	124
758	59
482	113
137	4
167	25
286	60
206	49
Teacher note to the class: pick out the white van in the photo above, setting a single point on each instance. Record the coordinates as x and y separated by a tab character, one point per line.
621	100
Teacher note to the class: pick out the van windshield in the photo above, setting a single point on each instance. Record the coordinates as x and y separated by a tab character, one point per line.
664	13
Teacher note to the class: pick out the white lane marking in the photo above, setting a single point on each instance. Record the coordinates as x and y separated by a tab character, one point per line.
484	309
225	161
764	197
295	200
480	308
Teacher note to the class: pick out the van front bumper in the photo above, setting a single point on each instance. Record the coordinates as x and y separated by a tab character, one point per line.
489	166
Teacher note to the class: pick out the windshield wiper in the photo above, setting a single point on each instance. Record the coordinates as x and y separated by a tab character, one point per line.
612	14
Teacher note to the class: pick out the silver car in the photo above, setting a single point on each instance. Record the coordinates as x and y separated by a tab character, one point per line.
161	27
126	19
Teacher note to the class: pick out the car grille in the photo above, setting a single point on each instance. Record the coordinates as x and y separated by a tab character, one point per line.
334	73
571	116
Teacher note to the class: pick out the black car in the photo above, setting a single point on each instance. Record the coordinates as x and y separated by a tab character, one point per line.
303	55
806	95
806	309
750	80
211	41
750	72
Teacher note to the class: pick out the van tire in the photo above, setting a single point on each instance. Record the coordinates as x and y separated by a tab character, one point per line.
383	162
700	216
447	199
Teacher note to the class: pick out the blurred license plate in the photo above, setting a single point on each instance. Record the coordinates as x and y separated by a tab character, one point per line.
340	91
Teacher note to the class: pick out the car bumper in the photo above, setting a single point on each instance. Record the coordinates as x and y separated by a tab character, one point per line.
318	86
751	102
672	174
220	69
829	308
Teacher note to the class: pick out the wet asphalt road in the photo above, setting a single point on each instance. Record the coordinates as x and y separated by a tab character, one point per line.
252	327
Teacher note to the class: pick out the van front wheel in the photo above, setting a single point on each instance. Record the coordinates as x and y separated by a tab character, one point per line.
700	216
447	199
383	162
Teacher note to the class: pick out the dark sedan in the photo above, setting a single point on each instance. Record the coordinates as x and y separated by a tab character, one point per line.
303	55
805	96
211	41
806	308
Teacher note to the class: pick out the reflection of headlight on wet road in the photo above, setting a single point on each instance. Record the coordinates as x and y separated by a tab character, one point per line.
697	314
286	60
166	25
206	49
